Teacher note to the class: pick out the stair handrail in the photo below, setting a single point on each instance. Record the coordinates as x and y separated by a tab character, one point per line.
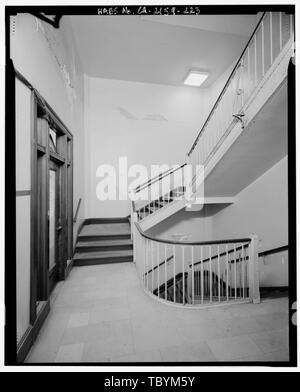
177	242
159	177
225	86
77	210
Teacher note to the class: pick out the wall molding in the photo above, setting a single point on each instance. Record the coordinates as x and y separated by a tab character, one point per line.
32	332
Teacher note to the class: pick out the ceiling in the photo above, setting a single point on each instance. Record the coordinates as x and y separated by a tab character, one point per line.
260	146
155	49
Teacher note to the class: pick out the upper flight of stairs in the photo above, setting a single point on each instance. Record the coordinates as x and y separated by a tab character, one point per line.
104	241
162	201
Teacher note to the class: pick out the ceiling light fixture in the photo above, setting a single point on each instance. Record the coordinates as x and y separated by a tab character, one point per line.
195	78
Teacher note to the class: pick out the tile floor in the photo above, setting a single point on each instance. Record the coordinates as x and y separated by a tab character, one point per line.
100	314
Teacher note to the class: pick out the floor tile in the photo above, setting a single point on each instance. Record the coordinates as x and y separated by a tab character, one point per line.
273	321
93	320
143	356
70	353
199	352
274	340
228	349
275	356
78	320
200	331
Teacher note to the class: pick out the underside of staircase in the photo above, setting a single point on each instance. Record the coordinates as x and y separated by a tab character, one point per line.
104	241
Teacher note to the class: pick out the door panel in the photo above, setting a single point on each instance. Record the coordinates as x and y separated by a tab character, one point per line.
53	223
52	219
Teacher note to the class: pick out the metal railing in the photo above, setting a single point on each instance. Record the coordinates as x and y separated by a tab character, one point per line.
273	31
77	210
194	273
158	192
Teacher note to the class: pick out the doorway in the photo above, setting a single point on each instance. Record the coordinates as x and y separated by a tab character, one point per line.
53	211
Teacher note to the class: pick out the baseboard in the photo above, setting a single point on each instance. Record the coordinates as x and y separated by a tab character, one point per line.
68	268
274	292
274	288
32	332
82	223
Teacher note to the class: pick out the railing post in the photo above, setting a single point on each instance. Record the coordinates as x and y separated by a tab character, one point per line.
132	213
134	234
254	270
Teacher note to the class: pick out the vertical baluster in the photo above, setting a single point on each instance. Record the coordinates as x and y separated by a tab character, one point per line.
219	276
280	31
210	275
235	282
255	62
152	265
222	274
147	243
174	272
243	270
158	281
227	266
202	288
198	283
246	271
263	48
183	277
145	257
271	38
166	297
193	277
248	59
240	274
291	26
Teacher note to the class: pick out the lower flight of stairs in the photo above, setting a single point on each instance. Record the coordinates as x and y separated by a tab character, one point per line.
104	241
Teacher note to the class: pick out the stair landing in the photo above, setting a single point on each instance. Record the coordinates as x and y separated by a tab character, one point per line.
105	229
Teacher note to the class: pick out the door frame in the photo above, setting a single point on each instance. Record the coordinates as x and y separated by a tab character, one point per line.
44	118
53	274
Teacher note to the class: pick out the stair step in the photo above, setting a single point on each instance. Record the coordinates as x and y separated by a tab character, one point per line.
90	238
104	245
105	231
107	257
97	221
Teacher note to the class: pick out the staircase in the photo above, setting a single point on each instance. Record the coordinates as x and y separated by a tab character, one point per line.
104	241
257	75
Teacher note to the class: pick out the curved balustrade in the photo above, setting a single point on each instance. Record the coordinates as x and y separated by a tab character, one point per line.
189	273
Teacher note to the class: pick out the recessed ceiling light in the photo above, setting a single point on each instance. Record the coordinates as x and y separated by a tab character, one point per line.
195	78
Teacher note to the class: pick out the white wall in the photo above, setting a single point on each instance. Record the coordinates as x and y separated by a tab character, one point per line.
261	208
39	55
117	125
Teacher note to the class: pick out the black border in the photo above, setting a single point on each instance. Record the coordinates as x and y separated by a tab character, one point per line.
10	208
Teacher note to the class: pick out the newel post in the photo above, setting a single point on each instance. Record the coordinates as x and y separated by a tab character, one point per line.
254	270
